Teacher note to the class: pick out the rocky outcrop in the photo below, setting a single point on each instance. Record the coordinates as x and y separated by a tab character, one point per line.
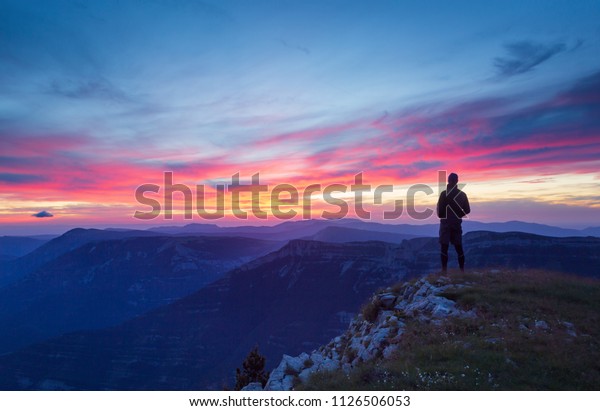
375	333
253	386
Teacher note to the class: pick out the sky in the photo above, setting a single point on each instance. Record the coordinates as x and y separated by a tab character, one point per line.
98	98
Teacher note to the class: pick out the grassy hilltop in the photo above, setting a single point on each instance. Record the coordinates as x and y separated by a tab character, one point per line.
533	330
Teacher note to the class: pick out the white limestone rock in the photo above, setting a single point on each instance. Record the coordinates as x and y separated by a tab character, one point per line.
364	340
253	386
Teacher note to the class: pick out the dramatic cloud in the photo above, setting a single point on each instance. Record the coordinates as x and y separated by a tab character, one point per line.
484	138
98	100
42	214
524	56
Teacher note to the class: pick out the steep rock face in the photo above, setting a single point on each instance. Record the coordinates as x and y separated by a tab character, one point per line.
573	255
335	234
103	283
373	337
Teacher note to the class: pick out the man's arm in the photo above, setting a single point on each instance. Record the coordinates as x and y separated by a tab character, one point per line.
441	204
466	207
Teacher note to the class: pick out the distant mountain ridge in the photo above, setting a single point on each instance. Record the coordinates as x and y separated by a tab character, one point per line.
344	230
12	247
71	240
308	228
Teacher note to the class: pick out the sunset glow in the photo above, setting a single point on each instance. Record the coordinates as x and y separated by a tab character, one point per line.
98	98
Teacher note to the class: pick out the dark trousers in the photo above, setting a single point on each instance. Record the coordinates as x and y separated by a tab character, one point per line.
459	251
451	233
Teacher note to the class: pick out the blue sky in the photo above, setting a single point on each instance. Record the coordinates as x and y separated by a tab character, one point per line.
142	86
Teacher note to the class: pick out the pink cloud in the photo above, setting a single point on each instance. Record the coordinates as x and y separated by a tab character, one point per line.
480	138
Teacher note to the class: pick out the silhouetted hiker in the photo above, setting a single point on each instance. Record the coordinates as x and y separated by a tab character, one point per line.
452	206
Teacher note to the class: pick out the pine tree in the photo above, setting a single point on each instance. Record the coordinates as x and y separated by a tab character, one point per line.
253	370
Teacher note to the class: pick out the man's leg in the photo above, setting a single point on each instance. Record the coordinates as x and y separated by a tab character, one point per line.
461	256
444	255
445	237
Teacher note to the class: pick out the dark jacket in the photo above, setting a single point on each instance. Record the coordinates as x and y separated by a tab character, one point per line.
453	205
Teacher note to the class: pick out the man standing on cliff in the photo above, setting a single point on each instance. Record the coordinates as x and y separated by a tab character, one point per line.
452	206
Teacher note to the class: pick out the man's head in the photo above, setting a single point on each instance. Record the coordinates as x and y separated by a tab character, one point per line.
453	179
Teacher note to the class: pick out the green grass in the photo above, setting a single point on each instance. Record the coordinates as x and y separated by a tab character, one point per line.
501	349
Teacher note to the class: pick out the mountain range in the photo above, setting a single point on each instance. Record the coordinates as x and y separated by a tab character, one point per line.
104	282
13	247
290	300
306	228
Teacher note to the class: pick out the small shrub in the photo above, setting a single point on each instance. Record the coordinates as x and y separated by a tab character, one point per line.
370	311
253	370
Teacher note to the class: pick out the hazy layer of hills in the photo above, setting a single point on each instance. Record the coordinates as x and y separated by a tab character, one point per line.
306	228
102	283
13	247
49	250
184	308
